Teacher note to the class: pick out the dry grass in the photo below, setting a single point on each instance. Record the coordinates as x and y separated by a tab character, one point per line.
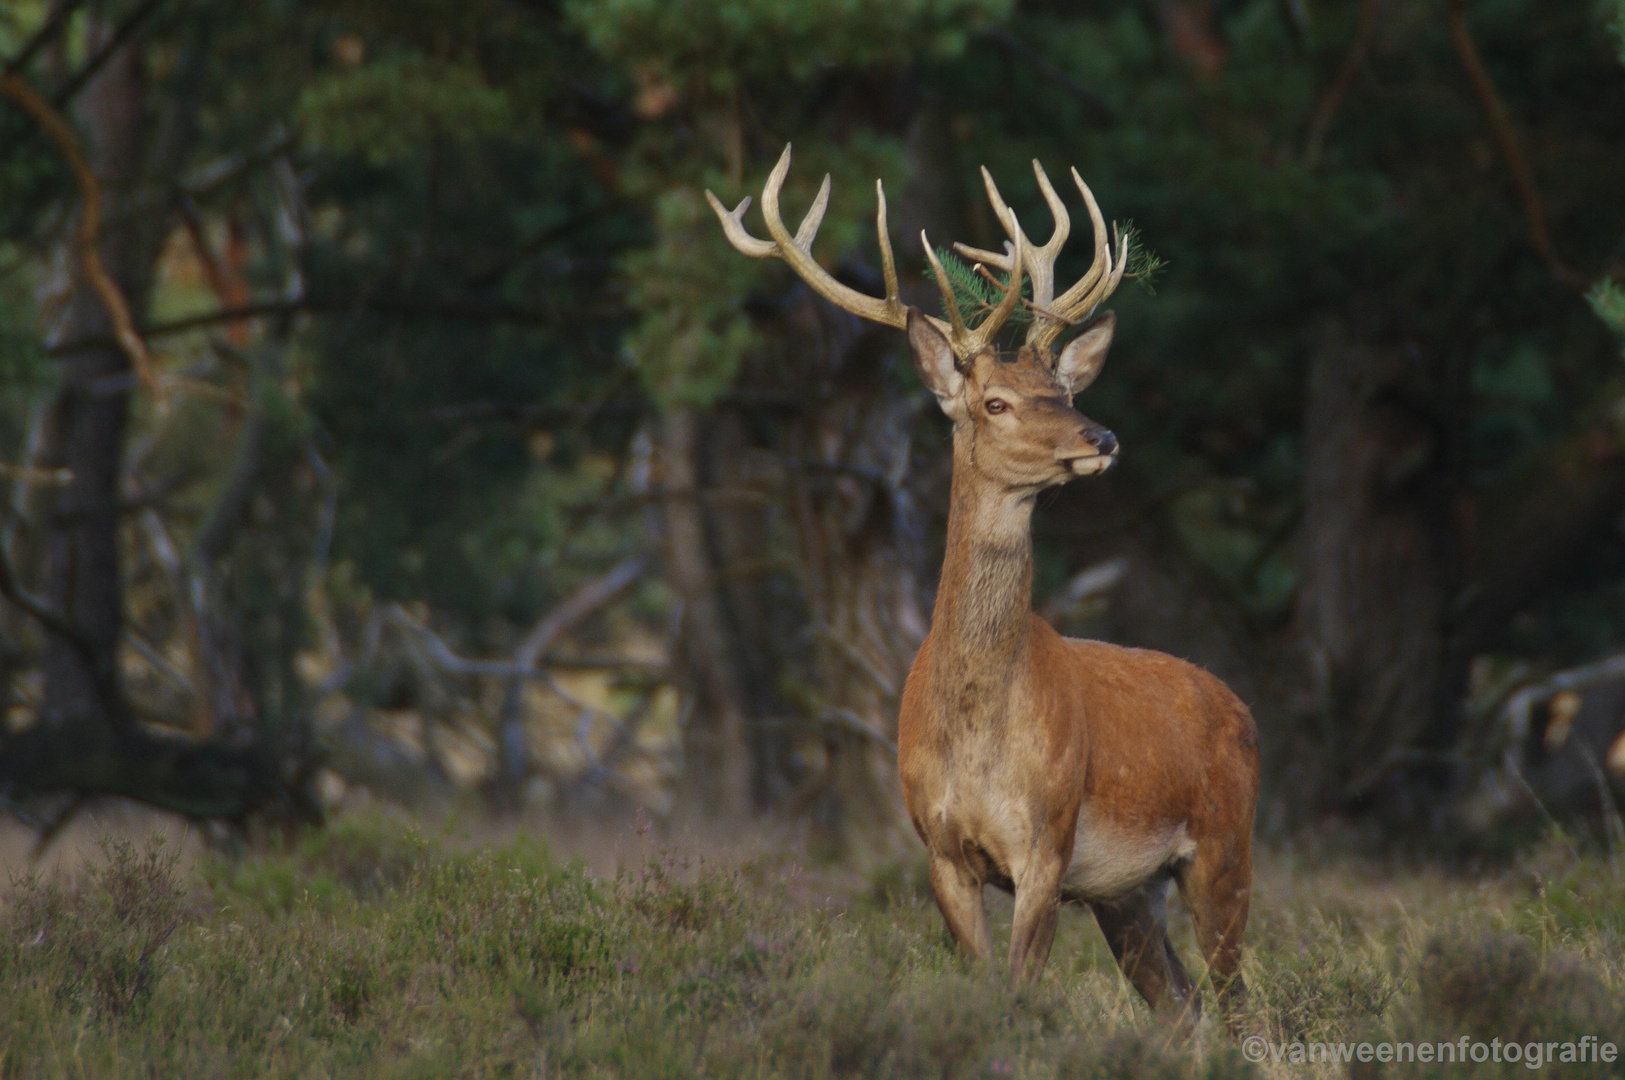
373	949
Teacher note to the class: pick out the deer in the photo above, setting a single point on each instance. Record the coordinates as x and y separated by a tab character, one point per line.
1057	769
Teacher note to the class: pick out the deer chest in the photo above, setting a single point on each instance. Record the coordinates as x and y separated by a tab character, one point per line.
974	801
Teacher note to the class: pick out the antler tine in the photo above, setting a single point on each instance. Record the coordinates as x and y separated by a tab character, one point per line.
1039	262
998	260
967	343
797	250
814	218
1001	210
956	321
888	265
1094	286
733	225
982	336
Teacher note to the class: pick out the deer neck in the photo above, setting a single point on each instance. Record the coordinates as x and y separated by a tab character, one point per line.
979	625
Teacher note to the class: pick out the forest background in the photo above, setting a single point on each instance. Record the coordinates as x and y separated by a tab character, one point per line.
384	415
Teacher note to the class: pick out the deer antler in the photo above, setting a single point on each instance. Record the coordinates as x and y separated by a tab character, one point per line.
891	311
1051	313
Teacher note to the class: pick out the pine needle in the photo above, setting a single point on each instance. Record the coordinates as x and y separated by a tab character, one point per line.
975	294
1143	264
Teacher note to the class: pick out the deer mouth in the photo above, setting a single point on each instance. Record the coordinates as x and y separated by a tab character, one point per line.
1092	452
1091	464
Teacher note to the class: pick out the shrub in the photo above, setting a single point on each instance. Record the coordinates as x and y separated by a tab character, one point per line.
1498	986
99	942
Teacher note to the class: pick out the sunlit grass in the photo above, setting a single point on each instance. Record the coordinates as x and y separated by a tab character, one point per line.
372	949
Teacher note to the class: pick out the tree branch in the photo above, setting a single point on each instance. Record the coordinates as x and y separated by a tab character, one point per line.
1506	138
1326	109
511	750
90	224
500	268
586	600
448	311
37	609
100	665
121	34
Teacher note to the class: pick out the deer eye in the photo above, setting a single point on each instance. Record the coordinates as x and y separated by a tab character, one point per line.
995	405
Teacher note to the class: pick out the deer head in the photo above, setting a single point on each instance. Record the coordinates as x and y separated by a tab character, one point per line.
1014	410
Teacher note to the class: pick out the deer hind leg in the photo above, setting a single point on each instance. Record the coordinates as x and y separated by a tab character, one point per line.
1038	909
959	897
1216	887
1136	929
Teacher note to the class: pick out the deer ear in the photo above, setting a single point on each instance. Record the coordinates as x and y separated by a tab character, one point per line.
934	362
1083	356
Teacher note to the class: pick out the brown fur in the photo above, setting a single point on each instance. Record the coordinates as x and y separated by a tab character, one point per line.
1056	768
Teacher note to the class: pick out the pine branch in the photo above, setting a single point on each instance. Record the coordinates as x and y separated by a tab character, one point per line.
976	295
1144	265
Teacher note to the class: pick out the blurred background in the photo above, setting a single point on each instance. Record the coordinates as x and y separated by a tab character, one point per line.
384	417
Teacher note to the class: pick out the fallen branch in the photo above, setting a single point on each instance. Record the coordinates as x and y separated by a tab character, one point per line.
197	779
1519	709
450	663
50	830
512	752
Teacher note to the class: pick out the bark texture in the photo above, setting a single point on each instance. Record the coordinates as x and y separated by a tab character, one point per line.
89	415
1374	580
858	532
717	765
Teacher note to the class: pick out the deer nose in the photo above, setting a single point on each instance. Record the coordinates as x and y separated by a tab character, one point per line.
1104	442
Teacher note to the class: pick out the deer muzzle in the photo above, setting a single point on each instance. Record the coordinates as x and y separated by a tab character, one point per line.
1092	451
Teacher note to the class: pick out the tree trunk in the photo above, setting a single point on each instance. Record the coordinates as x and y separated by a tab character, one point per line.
86	740
858	536
717	766
89	414
1374	582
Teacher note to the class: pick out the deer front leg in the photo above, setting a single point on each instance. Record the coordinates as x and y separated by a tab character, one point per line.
1038	909
959	896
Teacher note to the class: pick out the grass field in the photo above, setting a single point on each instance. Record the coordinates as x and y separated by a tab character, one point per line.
373	949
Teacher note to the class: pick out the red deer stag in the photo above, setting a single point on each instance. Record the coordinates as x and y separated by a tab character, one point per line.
1053	768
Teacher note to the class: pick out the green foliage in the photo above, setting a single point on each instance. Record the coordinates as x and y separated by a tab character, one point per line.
690	285
693	335
1582	902
24	367
1607	299
392	108
382	951
97	944
717	43
1496	986
1144	265
974	294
